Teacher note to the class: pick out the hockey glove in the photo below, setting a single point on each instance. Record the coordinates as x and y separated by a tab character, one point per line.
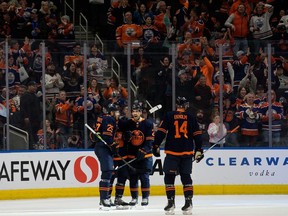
141	154
114	148
156	151
199	155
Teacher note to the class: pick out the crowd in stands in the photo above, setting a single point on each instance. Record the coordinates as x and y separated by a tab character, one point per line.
241	29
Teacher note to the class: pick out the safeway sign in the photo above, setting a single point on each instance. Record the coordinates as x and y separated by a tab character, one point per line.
48	169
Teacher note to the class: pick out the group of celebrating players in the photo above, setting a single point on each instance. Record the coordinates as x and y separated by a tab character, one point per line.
125	146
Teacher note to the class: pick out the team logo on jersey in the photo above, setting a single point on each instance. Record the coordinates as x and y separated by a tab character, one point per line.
86	169
137	137
148	34
129	31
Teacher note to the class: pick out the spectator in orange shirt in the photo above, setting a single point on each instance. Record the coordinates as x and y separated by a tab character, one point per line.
238	22
64	120
115	92
128	32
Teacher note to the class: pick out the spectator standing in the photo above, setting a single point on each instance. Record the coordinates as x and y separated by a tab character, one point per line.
238	22
150	35
185	86
159	15
36	27
96	64
277	113
64	120
140	13
31	112
53	80
249	114
216	130
114	92
71	78
76	57
128	32
203	96
94	89
260	26
66	37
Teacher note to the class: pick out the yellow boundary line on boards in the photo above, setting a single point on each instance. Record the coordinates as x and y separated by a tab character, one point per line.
155	190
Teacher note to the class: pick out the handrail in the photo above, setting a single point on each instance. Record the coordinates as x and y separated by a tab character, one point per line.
72	8
25	137
82	27
134	88
100	41
117	73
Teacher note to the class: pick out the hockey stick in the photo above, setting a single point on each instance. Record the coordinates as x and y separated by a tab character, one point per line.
126	164
101	139
155	108
219	141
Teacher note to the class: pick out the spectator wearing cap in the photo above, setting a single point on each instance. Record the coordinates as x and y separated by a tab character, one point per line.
238	69
227	42
238	22
249	82
227	89
30	111
260	26
203	96
36	27
184	86
53	80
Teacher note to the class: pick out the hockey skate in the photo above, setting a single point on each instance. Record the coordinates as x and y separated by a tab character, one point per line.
105	205
187	208
145	202
133	203
169	209
121	204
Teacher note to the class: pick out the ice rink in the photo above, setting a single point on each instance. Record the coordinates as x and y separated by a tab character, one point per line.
226	205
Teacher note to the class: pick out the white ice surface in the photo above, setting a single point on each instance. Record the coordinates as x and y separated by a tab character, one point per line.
226	205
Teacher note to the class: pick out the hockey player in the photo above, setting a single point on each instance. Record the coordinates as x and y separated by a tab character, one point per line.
104	149
181	131
140	147
121	174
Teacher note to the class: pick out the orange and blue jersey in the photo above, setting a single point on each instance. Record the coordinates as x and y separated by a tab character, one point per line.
181	131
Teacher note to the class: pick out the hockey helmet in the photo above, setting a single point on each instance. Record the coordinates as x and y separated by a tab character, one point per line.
112	107
136	106
181	101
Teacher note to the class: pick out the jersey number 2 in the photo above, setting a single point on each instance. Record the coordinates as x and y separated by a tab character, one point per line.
180	129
